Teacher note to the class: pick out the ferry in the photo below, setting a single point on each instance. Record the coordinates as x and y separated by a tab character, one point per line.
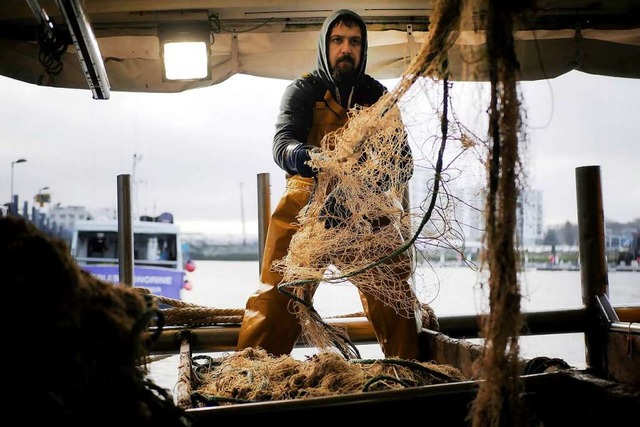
160	264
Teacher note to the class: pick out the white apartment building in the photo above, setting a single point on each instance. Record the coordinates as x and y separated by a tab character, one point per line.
466	210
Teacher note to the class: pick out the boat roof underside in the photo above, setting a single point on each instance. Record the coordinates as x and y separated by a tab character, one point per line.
278	39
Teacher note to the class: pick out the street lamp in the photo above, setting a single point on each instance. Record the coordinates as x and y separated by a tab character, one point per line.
40	199
13	163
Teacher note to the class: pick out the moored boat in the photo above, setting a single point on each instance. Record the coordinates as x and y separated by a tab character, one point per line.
158	258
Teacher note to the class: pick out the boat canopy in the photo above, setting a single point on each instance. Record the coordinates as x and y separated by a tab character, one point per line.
278	39
145	227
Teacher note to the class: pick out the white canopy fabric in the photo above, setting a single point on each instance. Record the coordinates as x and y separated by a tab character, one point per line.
132	57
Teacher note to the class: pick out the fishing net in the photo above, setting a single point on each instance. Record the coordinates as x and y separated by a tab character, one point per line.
252	375
360	226
92	353
356	227
355	220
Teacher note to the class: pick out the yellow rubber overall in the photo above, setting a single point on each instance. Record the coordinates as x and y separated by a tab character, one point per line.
268	321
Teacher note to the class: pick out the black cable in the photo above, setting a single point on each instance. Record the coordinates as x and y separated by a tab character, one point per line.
444	126
53	44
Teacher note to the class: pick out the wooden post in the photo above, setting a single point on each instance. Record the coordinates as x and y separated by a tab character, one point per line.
183	386
264	213
125	230
593	263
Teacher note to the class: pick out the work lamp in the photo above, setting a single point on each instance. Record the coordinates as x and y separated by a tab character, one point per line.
184	49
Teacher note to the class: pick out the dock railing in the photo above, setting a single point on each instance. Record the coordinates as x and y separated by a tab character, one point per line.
612	334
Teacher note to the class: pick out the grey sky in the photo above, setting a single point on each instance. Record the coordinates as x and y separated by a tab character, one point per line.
200	147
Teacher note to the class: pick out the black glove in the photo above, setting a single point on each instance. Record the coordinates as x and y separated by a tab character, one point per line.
333	212
302	156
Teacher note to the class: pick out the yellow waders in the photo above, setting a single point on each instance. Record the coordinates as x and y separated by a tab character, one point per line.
268	321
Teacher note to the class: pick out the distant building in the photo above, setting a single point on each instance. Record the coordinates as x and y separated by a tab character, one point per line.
467	210
104	214
66	216
530	218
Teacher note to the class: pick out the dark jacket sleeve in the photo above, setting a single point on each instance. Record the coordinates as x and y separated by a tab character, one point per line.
293	125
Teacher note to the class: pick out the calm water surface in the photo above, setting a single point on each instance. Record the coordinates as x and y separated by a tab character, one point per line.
448	290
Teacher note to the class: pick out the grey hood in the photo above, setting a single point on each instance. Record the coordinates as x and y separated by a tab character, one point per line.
323	67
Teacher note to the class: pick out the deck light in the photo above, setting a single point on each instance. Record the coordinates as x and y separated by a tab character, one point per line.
184	49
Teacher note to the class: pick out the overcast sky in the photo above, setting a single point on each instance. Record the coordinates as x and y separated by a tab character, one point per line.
202	149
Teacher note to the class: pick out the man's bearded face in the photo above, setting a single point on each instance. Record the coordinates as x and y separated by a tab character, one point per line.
345	52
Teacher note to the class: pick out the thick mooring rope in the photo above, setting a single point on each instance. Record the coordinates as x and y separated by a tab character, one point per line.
178	313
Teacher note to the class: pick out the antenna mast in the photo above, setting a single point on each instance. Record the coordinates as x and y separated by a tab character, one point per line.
244	231
134	180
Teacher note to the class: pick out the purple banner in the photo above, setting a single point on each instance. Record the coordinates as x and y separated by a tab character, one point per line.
160	281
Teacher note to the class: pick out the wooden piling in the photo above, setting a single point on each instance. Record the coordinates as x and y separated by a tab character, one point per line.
593	263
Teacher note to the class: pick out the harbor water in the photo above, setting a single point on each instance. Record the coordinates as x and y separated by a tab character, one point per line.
448	290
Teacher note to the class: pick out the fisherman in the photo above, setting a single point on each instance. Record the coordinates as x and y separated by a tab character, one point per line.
312	106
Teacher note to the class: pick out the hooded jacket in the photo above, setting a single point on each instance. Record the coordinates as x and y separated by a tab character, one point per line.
294	120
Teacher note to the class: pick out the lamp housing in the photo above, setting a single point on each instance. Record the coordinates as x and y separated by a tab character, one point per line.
185	51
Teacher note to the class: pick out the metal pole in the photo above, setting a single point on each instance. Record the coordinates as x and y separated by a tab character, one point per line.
244	230
11	198
125	230
12	166
13	209
39	198
593	263
264	213
135	190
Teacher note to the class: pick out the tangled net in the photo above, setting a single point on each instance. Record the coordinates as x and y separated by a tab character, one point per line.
91	356
358	227
357	217
252	375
